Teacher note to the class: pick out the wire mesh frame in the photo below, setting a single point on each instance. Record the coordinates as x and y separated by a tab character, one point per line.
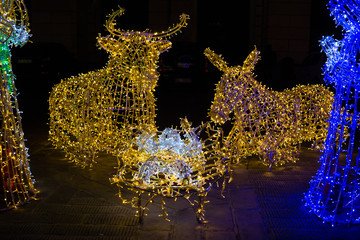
334	191
267	122
17	184
205	170
100	110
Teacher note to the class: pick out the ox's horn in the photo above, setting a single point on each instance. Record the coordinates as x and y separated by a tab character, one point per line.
13	12
22	13
110	24
172	30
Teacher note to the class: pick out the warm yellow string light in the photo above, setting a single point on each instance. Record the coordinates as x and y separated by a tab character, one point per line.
267	122
103	109
172	164
113	110
15	176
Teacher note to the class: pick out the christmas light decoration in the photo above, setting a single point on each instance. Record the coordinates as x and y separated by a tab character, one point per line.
17	185
267	122
103	109
171	164
334	191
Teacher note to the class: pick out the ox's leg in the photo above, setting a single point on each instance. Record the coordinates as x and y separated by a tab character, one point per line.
81	153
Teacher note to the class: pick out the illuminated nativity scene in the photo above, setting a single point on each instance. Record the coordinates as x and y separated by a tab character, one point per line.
112	110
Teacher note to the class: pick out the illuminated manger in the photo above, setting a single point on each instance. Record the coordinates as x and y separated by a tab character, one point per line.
171	164
15	177
334	193
266	122
101	110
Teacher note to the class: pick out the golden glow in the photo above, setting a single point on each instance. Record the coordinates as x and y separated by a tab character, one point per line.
267	122
104	109
113	110
15	177
171	164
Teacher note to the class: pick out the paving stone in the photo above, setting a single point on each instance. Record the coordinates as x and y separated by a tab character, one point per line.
245	199
78	204
188	231
254	231
220	218
111	219
215	235
153	221
93	230
250	224
240	177
155	234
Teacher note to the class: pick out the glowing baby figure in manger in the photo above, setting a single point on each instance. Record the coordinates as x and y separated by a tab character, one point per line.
99	110
16	182
267	122
171	164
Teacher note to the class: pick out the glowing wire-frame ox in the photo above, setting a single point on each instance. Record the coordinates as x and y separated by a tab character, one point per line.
171	164
266	122
334	193
99	110
17	185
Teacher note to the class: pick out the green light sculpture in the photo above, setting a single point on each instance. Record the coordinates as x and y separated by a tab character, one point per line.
17	185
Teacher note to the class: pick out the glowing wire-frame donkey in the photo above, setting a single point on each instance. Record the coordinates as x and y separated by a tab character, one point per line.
334	193
266	122
15	177
99	110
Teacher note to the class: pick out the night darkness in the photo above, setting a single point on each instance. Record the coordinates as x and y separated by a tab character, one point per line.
225	28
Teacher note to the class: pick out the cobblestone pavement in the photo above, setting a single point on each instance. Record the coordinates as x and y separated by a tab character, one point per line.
81	204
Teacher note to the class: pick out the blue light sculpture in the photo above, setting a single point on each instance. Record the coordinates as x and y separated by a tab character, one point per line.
334	193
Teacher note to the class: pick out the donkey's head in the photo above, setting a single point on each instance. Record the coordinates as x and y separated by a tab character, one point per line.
136	54
229	90
14	22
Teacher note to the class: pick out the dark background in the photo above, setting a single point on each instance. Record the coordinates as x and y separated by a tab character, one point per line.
63	44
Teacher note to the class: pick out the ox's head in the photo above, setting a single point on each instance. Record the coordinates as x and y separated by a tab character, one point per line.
229	90
136	54
14	23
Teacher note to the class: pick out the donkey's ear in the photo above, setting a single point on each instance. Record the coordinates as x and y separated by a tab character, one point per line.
162	45
216	59
109	44
251	60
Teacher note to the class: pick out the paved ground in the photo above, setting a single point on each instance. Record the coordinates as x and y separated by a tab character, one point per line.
80	204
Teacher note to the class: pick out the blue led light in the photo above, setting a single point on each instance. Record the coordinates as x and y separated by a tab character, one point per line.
334	193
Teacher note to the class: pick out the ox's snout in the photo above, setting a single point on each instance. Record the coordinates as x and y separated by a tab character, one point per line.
144	77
